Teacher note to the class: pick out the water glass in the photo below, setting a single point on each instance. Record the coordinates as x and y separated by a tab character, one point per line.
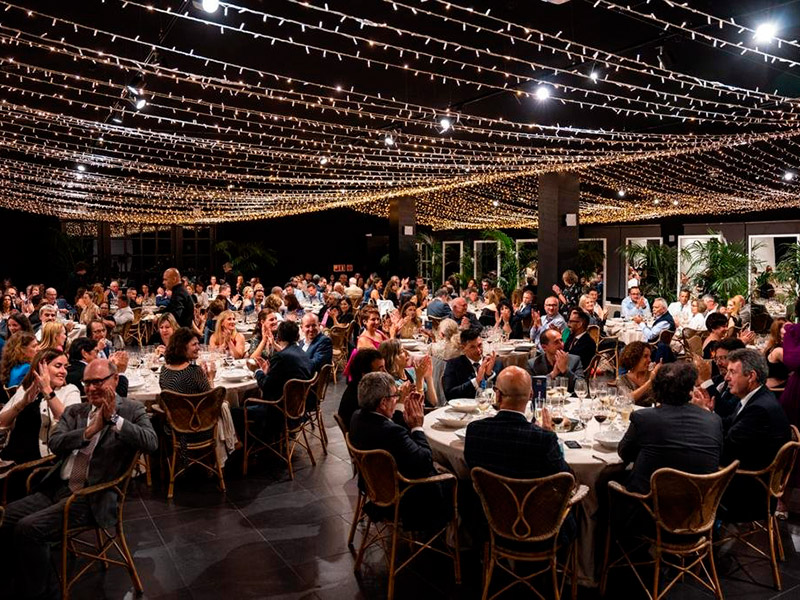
581	388
585	414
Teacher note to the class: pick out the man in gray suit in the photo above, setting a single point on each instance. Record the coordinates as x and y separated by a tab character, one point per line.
553	361
94	442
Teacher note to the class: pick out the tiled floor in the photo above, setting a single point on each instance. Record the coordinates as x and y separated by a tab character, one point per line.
270	537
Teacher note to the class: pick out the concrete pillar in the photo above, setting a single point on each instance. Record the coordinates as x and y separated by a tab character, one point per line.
558	242
402	229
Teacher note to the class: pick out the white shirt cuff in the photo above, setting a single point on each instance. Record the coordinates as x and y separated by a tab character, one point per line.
707	384
400	407
417	429
118	425
474	381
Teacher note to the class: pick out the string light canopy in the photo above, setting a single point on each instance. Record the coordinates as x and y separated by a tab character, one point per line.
195	112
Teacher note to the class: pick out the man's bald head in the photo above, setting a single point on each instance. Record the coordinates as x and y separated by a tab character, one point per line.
172	277
513	388
99	376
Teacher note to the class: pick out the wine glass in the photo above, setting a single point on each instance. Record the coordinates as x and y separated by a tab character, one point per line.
581	389
585	414
600	414
624	407
556	410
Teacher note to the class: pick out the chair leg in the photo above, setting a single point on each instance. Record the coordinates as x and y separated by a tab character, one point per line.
574	582
100	541
147	472
773	559
244	447
604	571
778	540
126	554
172	462
308	448
323	437
714	576
554	575
356	519
489	559
288	453
392	557
362	547
656	574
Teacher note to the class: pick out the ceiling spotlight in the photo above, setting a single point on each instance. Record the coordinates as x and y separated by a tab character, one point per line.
621	193
324	160
140	103
133	90
445	124
389	139
765	33
495	203
674	203
788	176
594	76
210	6
81	168
656	201
542	93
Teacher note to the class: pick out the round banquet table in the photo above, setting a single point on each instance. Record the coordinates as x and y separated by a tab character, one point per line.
235	391
626	332
587	464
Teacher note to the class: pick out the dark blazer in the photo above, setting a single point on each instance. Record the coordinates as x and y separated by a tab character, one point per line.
540	366
289	363
75	377
320	352
507	444
112	455
438	309
685	437
755	435
725	403
584	347
474	323
181	306
458	373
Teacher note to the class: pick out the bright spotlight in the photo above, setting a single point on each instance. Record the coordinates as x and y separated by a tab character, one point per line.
81	168
542	93
765	33
621	193
445	124
388	140
324	160
594	76
788	176
140	103
495	203
210	6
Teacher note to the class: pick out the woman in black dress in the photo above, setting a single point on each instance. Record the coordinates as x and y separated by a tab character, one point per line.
180	373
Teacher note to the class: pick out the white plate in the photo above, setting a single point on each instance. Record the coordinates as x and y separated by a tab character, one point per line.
464	405
461	433
455	419
609	439
234	374
408	342
135	382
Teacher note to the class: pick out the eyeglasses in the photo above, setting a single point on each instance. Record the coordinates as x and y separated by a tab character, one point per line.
87	383
393	396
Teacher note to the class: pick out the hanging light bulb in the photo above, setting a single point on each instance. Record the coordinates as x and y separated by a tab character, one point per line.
445	124
621	193
542	93
788	176
765	33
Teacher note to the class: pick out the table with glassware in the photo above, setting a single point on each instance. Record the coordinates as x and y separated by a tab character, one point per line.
597	424
625	331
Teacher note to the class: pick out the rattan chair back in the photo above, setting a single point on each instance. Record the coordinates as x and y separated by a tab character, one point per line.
323	379
594	333
340	422
378	472
295	392
192	413
782	466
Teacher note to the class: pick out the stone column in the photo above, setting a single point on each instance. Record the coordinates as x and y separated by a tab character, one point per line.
558	242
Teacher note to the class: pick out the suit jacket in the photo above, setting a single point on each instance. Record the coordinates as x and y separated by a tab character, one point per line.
458	375
507	444
685	437
756	433
181	306
111	456
583	347
540	366
725	403
320	352
289	363
75	377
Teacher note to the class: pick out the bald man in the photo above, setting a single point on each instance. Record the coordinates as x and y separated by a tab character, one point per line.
180	302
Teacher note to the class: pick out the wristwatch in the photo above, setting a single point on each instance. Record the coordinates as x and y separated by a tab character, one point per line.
51	395
114	419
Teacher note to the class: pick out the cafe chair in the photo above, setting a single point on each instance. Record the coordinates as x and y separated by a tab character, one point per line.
73	540
137	332
683	508
193	420
358	514
340	335
605	360
525	516
20	472
291	412
385	487
320	389
594	333
773	480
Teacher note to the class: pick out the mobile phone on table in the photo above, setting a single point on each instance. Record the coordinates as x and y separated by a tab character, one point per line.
572	444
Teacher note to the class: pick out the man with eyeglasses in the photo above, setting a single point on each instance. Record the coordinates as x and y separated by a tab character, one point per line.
635	305
94	443
551	319
84	351
713	377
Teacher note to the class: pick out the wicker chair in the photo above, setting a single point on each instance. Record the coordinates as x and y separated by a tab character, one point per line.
340	336
385	487
21	472
292	409
71	541
527	511
320	389
606	359
594	333
773	479
358	514
683	507
195	415
137	332
761	322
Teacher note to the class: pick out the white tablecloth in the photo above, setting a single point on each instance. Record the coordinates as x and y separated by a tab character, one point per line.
587	464
626	332
235	391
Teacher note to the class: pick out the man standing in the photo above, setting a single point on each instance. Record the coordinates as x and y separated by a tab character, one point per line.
94	442
180	303
317	346
464	374
579	342
635	305
554	361
552	319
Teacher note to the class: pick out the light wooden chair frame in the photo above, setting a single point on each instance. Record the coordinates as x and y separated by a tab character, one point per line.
315	419
358	514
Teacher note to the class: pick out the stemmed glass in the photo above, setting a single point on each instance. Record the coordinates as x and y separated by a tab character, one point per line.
556	409
581	389
585	414
600	414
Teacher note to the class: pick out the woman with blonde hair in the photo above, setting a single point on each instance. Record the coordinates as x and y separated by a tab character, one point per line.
225	336
570	295
54	337
396	359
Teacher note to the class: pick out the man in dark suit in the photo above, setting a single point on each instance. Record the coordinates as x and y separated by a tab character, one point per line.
317	346
464	318
83	351
579	341
289	363
180	303
464	374
439	307
725	403
554	362
372	428
507	444
94	442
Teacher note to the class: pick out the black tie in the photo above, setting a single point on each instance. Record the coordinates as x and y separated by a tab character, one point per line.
476	365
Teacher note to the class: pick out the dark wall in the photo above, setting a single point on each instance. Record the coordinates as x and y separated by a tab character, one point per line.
29	245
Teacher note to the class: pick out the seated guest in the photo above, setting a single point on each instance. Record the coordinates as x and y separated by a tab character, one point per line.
162	297
225	338
710	304
166	326
94	443
508	445
148	299
464	318
372	428
638	378
96	331
579	341
439	307
294	312
317	346
523	311
773	352
677	434
312	295
717	325
18	322
489	311
599	312
507	322
255	305
448	341
345	315
409	324
18	353
263	341
35	408
104	315
47	314
420	376
51	298
213	287
635	305
365	361
554	362
725	403
288	363
474	299
464	374
215	309
353	292
180	303
372	336
124	312
390	292
663	322
588	305
551	319
82	352
681	310
181	373
698	319
54	336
